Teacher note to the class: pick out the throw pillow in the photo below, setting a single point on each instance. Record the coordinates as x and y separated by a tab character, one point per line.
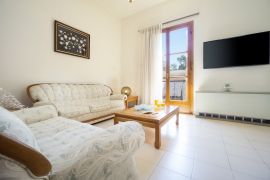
12	126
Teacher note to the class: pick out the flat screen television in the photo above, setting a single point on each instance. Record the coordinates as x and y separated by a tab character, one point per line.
245	50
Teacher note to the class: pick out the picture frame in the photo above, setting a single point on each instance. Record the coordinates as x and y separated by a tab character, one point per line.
69	40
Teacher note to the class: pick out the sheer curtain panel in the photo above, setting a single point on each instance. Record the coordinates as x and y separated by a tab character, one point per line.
151	64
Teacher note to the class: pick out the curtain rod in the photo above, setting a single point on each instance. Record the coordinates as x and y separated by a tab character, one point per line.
195	14
167	22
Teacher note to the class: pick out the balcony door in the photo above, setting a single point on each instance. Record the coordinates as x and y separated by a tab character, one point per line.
177	51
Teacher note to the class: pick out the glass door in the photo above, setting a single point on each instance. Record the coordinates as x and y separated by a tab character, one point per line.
177	51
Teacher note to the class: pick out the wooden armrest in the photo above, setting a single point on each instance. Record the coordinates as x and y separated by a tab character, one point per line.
36	162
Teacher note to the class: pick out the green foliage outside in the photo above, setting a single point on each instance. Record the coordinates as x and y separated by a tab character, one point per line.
182	60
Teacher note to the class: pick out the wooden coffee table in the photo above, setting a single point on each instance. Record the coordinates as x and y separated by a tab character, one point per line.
149	120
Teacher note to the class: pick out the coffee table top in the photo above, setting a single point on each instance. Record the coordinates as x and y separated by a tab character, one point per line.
160	114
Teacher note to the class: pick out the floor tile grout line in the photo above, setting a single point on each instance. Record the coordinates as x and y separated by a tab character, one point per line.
253	148
191	176
228	159
191	158
169	152
156	165
257	151
253	176
176	172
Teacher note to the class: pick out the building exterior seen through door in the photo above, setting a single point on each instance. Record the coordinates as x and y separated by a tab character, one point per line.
177	60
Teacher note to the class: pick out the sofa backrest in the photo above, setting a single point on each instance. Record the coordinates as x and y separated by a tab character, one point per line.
57	92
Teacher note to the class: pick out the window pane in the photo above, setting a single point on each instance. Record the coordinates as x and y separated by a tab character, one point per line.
179	40
178	64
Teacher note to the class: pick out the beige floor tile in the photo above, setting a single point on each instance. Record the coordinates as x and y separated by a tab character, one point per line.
147	159
243	141
179	148
177	163
258	136
265	157
242	176
149	153
210	144
217	158
203	171
165	174
145	169
243	152
260	145
253	168
233	134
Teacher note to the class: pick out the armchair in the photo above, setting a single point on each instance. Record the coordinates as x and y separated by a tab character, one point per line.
74	150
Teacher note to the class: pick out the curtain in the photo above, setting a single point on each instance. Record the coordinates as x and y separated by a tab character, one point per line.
151	64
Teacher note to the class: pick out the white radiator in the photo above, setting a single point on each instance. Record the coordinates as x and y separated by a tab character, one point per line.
243	104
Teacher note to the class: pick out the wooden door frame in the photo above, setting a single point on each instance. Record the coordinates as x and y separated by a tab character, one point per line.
189	103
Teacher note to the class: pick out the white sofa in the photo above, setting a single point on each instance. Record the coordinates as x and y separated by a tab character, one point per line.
75	150
83	102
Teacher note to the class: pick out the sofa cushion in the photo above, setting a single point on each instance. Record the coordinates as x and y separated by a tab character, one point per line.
60	139
99	107
12	126
117	104
99	104
67	110
36	114
59	92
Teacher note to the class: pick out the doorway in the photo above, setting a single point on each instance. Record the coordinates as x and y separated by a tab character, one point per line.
177	64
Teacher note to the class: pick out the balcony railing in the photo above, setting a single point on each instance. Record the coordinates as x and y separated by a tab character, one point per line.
177	90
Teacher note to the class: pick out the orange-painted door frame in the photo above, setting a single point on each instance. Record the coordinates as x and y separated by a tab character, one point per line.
187	104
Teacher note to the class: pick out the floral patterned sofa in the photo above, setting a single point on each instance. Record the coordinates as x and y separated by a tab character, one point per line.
36	143
83	102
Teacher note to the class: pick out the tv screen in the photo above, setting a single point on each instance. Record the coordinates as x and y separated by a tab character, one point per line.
245	50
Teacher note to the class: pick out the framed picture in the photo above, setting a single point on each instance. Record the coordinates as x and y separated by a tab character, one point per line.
71	41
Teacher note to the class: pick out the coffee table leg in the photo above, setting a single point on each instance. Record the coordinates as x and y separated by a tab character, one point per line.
157	137
115	121
177	117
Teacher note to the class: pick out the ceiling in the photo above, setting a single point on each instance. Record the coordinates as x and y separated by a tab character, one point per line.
122	8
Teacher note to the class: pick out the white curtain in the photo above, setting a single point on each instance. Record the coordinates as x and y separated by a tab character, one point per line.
151	64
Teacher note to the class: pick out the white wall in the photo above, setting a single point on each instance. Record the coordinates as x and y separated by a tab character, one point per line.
217	19
27	44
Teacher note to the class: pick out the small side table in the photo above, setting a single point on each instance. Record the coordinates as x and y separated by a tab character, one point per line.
131	101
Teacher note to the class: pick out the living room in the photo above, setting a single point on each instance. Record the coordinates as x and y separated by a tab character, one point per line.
223	127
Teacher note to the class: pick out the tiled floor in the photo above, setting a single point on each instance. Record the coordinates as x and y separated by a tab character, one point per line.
200	149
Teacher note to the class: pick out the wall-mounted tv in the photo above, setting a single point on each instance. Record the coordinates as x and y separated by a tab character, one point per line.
253	49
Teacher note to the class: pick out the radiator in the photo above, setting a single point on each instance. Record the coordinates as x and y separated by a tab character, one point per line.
253	107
